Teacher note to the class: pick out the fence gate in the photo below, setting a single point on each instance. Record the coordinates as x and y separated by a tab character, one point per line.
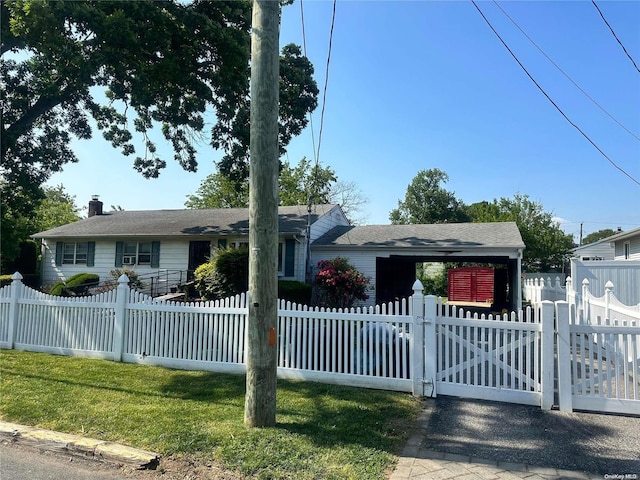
503	357
598	363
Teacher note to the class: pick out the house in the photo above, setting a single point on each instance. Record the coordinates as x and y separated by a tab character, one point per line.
623	270
388	253
626	245
600	250
170	244
166	246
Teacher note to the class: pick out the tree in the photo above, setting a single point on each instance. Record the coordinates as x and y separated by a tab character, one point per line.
426	201
547	246
599	235
219	191
158	63
350	198
304	181
58	208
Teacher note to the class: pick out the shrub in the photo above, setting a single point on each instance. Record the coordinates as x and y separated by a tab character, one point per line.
134	278
225	275
5	280
340	284
296	292
75	285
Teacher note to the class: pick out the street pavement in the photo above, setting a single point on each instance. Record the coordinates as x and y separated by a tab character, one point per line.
475	439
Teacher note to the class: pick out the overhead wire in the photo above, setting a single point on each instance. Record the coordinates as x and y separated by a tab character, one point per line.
614	35
564	73
614	164
304	48
316	153
326	80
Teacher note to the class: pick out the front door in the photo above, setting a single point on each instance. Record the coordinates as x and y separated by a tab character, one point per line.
199	253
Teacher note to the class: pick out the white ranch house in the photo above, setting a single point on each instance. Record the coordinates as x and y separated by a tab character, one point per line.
170	244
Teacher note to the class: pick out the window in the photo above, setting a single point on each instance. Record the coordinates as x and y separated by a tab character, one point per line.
137	253
75	253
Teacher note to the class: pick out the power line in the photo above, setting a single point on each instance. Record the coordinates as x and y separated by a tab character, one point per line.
304	46
614	34
326	80
550	99
564	73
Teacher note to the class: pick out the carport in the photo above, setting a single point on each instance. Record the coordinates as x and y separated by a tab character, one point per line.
388	254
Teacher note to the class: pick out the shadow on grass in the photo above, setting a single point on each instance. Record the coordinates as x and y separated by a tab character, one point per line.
327	415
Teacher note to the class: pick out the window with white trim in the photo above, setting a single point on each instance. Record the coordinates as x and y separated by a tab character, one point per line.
75	253
136	253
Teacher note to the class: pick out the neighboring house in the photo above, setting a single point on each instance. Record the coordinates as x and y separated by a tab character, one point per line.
172	243
600	250
626	245
623	270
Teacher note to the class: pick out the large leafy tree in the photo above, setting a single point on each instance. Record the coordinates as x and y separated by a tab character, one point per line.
57	208
427	201
598	235
127	67
547	246
297	184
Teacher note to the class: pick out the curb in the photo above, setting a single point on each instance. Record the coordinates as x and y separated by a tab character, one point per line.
80	446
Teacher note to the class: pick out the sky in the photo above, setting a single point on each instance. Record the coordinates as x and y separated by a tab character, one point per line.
415	85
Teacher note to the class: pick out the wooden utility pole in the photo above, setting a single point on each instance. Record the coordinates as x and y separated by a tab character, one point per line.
260	401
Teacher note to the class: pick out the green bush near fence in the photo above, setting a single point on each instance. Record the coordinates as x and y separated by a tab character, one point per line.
76	285
225	275
295	292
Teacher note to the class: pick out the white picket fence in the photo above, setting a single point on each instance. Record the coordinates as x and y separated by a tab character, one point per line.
417	345
537	290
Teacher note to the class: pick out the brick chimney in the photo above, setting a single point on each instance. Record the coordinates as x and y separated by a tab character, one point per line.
95	206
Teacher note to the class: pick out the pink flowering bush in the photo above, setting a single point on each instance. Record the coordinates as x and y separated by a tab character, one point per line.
340	284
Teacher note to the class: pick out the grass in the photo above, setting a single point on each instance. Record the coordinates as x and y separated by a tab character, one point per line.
322	432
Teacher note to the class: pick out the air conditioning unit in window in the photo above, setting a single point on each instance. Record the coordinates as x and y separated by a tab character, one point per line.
128	260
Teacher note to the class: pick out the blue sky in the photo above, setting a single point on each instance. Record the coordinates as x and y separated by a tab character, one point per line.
415	85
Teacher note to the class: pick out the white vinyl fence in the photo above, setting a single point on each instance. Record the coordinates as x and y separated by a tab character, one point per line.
418	345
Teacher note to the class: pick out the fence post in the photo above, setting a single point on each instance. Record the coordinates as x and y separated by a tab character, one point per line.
122	296
416	341
430	345
564	357
548	367
608	291
585	301
569	289
16	293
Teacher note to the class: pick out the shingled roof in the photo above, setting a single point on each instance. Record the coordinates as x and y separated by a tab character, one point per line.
443	235
187	222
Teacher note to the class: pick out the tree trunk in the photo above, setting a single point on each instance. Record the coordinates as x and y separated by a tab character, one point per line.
260	401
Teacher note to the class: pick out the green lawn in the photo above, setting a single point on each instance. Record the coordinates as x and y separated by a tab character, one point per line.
323	431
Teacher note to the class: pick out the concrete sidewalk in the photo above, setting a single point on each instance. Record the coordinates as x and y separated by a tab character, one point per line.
474	439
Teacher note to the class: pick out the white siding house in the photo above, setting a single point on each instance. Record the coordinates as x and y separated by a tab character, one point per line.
167	245
388	253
